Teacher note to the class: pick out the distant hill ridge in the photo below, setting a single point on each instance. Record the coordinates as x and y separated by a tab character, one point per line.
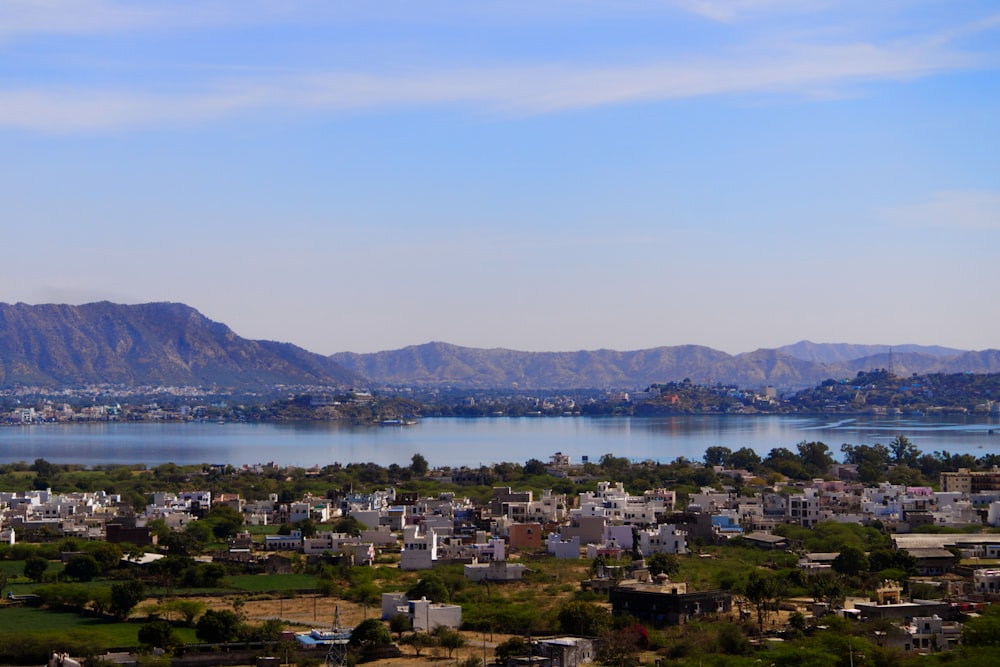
173	344
801	365
148	344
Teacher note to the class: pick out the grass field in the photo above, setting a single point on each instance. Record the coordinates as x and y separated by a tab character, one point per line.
271	583
108	633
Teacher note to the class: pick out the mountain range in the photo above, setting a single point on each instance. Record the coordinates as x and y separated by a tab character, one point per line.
149	344
800	365
173	344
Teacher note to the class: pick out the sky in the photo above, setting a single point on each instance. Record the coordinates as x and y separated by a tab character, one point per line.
543	175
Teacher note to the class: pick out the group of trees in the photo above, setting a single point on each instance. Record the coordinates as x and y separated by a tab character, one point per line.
900	461
117	600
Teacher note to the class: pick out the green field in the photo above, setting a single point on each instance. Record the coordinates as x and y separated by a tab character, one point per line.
24	621
271	583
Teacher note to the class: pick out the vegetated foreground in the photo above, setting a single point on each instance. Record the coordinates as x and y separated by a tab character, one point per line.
772	619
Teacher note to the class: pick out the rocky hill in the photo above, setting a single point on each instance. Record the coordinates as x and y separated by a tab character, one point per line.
798	366
148	344
173	344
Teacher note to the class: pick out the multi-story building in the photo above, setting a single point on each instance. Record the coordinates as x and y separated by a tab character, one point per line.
803	510
420	548
968	481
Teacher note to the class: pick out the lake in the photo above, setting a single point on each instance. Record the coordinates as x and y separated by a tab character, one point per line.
475	442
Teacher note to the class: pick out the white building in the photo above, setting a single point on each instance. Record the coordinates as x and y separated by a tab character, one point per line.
290	542
420	548
986	581
426	615
563	549
666	538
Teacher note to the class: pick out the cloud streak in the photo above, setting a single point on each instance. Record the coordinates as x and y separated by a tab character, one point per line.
512	90
25	18
728	11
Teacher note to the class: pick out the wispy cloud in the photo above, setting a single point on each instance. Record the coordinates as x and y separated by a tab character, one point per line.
512	90
956	209
728	11
24	18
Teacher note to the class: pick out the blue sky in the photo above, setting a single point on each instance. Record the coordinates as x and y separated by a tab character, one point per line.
359	176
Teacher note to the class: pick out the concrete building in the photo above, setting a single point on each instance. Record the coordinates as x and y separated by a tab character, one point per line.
563	548
968	481
426	615
420	548
803	510
495	570
525	535
666	539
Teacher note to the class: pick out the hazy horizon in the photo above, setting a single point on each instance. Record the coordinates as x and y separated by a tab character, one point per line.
558	176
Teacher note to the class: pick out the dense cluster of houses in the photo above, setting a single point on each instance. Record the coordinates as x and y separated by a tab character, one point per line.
609	522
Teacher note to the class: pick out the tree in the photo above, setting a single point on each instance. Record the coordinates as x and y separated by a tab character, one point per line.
984	630
903	451
34	568
449	639
198	533
512	647
850	562
100	600
745	458
620	649
224	520
579	617
718	456
665	563
217	625
187	609
430	587
419	465
349	525
3	582
168	570
892	559
82	567
159	634
370	632
307	527
43	468
533	467
125	596
829	589
815	456
107	555
419	641
400	623
872	460
764	593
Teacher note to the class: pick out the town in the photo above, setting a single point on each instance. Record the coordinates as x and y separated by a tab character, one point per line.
611	562
876	392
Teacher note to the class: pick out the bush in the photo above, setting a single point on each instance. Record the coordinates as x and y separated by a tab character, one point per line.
83	567
74	596
371	632
218	625
583	618
159	634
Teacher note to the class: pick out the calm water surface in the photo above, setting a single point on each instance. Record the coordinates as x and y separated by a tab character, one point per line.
473	442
